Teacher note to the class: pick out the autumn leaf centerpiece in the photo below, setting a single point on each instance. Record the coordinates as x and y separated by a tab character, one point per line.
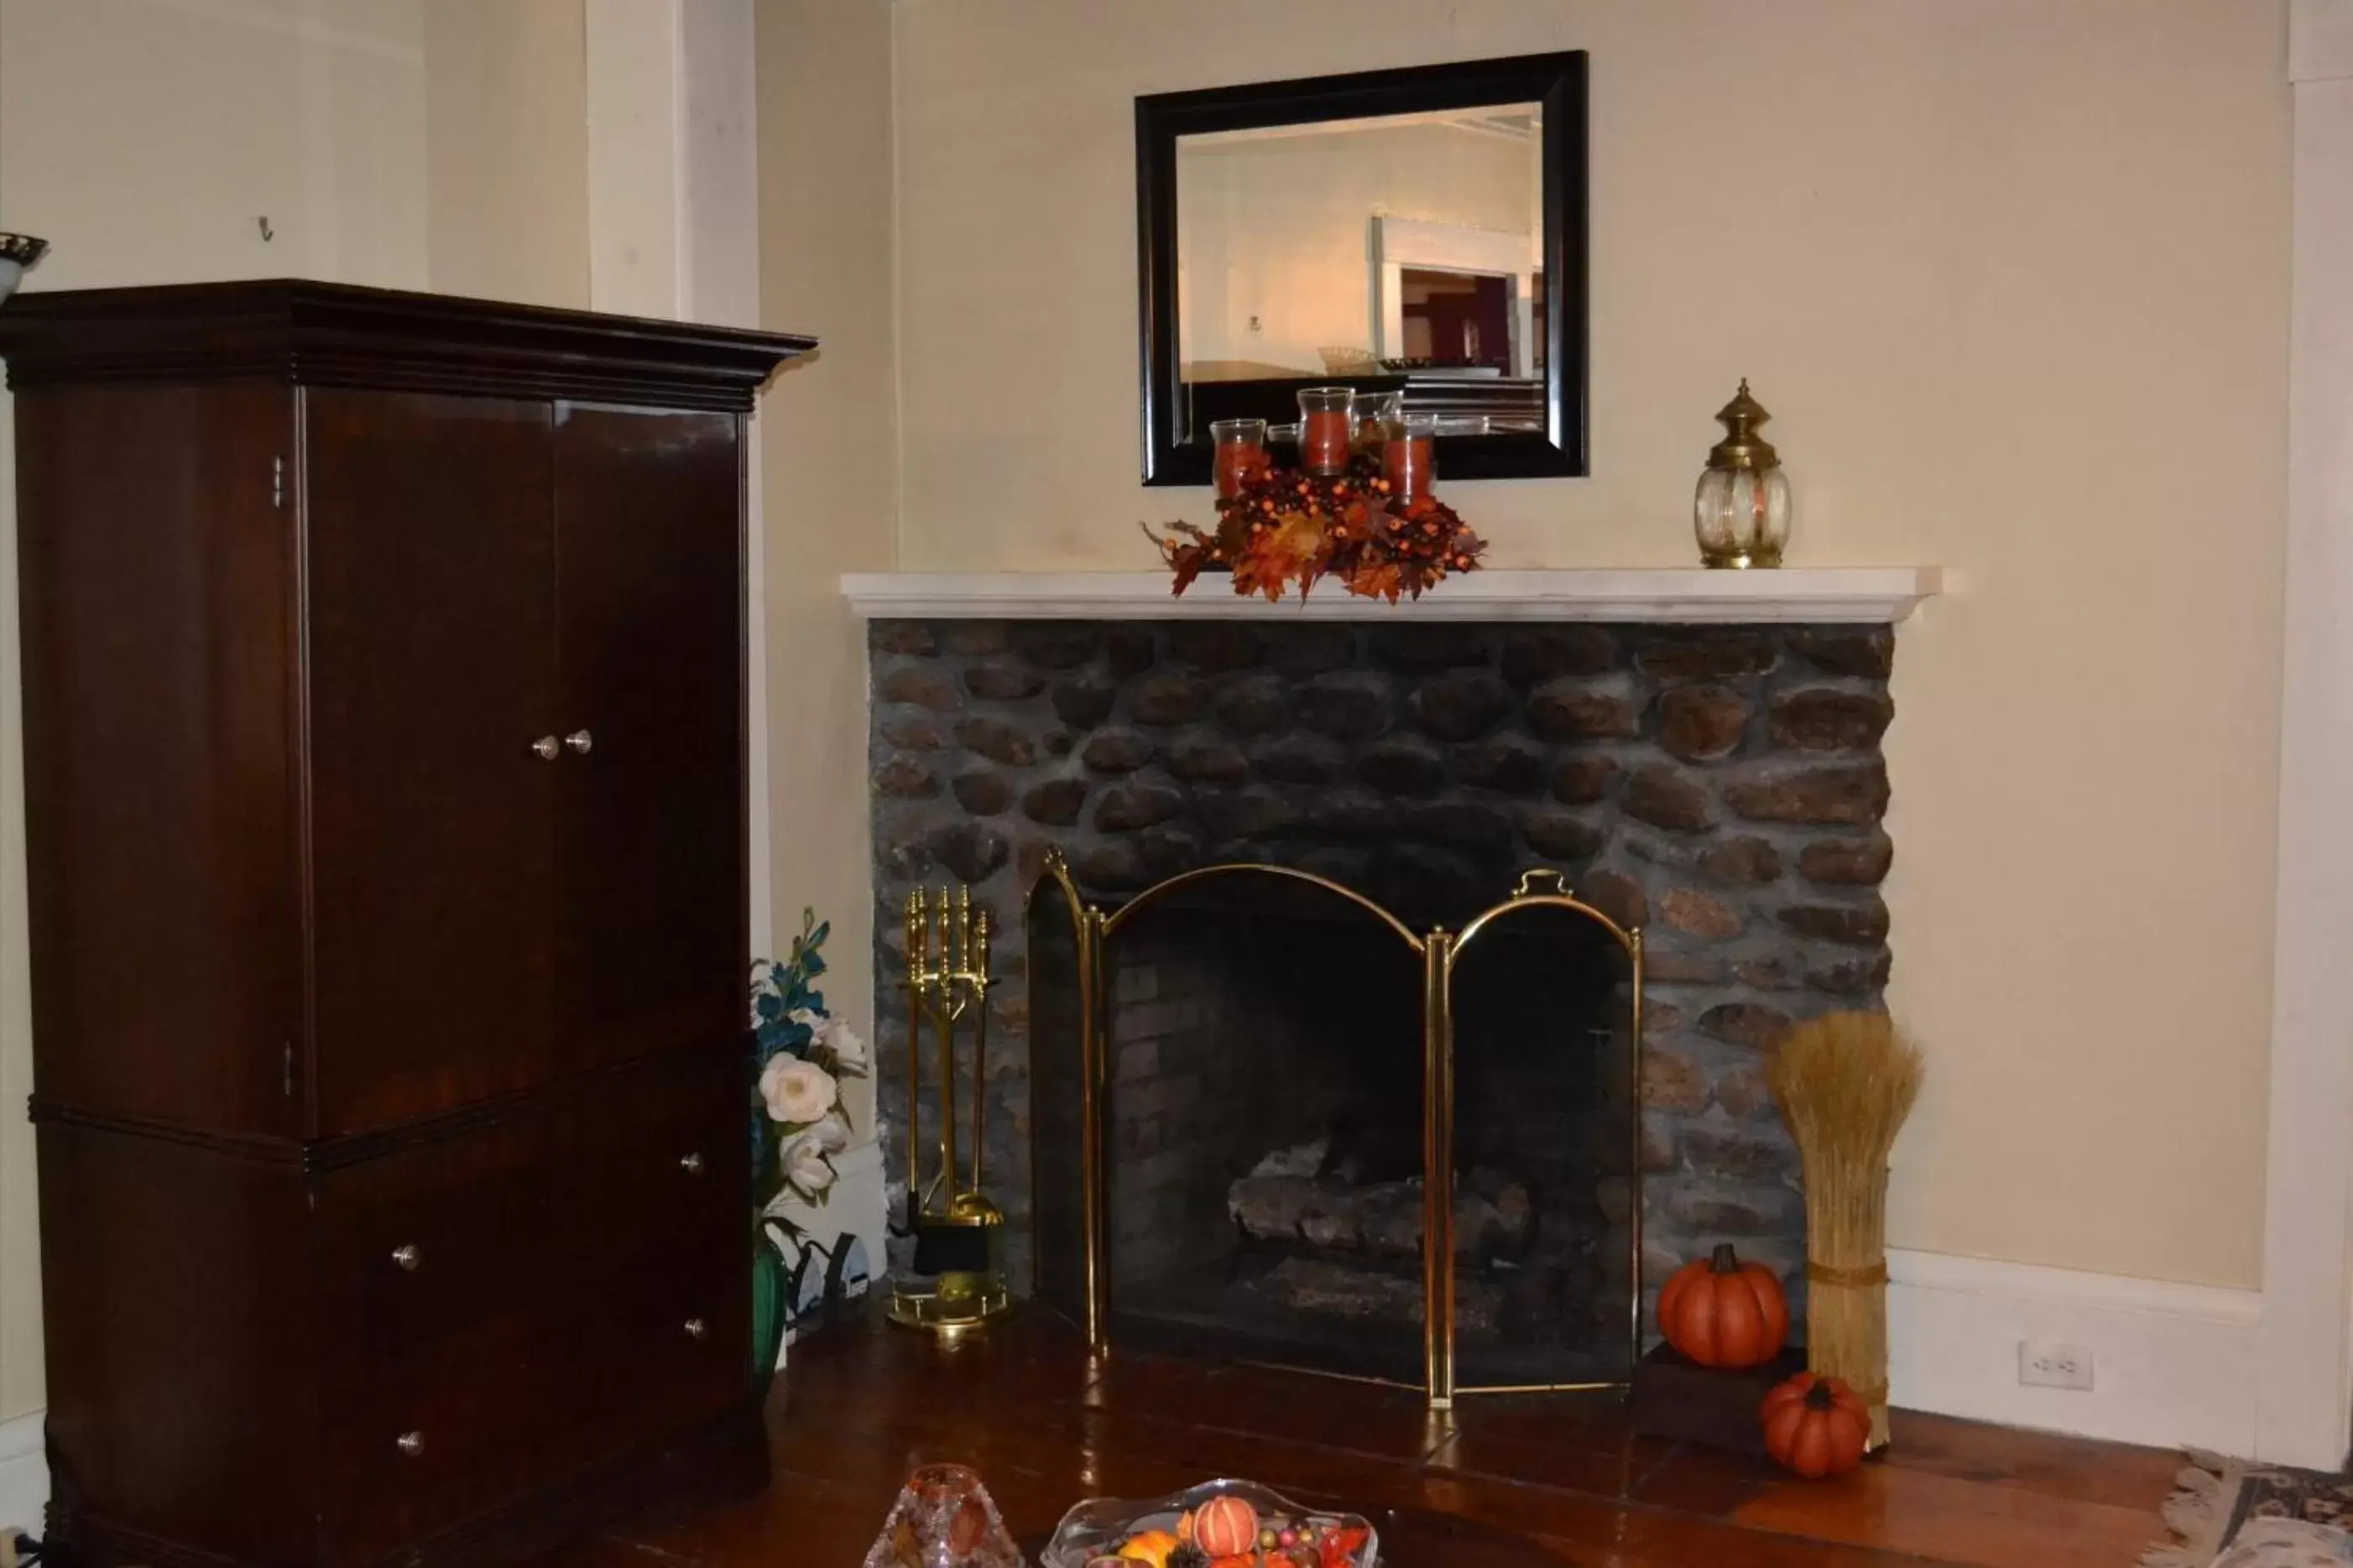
1285	529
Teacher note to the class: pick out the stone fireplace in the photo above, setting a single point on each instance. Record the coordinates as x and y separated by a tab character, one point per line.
1717	784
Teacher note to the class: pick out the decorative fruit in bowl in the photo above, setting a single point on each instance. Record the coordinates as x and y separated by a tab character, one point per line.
1219	1524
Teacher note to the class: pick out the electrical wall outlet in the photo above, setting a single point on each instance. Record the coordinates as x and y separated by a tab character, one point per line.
2044	1365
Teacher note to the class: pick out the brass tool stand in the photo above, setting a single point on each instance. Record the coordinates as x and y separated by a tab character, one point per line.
958	1231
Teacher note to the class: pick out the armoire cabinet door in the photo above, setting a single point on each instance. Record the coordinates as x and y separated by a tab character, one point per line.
159	634
648	548
432	640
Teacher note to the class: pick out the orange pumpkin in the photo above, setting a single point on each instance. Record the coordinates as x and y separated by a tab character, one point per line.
1722	1312
1815	1426
1226	1527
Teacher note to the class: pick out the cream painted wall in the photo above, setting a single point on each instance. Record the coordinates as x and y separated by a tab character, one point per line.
507	150
148	137
827	429
2012	275
145	138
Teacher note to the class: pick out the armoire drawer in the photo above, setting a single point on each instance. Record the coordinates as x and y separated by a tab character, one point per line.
460	1426
447	1431
655	1169
415	1244
657	1352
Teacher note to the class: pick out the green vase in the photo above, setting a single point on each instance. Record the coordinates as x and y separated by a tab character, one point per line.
770	1308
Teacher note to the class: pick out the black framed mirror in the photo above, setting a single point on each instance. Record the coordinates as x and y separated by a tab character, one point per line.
1418	231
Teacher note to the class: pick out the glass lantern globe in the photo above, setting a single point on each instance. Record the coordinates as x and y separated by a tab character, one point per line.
1741	513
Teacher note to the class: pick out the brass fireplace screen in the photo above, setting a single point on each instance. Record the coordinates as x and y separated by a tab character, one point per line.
1273	1123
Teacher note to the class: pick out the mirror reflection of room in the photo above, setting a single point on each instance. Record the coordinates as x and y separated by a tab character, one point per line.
1400	250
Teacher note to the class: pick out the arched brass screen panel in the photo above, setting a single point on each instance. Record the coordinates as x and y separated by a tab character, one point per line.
1261	1122
1063	1146
1542	1157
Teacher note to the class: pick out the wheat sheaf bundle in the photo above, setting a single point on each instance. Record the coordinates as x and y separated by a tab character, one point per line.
1846	1081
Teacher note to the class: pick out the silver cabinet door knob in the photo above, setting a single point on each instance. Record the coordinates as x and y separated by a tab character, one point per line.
411	1443
547	746
696	1327
580	740
407	1256
691	1165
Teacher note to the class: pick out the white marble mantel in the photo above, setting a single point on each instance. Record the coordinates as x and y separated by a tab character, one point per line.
1867	595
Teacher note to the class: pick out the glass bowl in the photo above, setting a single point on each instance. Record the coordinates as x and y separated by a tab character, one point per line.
1097	1528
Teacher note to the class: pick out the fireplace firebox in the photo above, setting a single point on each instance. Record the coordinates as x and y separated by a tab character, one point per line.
1273	1121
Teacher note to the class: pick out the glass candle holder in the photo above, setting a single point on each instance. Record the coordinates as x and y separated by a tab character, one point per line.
1409	457
1326	428
1375	412
1242	452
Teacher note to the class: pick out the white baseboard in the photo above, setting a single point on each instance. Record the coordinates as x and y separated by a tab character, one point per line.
24	1474
2172	1366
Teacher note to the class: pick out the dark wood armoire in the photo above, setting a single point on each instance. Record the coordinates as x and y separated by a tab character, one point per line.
384	735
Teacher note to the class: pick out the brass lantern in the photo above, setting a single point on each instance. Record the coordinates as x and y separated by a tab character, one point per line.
1741	513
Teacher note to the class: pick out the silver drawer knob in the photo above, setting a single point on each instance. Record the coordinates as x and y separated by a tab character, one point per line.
407	1256
411	1443
696	1327
547	746
691	1165
580	740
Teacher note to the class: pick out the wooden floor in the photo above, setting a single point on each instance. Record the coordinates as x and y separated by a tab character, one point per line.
1531	1481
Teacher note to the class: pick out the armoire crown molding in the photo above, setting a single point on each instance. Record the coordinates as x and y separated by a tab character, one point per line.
340	334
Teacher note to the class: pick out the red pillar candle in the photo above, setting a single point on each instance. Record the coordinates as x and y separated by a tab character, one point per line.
1410	458
1323	449
1326	427
1242	452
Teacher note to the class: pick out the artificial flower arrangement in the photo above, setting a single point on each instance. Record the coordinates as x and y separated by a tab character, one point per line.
800	1055
1284	527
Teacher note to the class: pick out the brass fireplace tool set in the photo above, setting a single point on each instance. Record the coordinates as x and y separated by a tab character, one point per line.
958	1232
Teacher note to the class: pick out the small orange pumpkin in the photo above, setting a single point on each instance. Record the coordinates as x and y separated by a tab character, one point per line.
1815	1426
1226	1527
1722	1312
